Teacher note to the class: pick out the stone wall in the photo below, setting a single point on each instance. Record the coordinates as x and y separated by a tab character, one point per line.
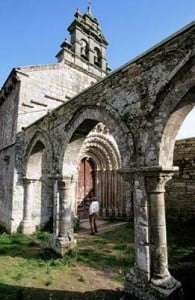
180	191
35	91
43	88
7	157
8	115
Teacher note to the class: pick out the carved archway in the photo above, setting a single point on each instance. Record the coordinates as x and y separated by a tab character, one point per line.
110	188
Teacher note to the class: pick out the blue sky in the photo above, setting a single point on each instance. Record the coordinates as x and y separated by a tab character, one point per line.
32	30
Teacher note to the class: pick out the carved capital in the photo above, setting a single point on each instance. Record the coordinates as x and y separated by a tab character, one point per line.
155	182
65	183
29	180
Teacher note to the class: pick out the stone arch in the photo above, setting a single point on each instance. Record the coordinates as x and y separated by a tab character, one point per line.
104	148
184	104
38	137
174	94
106	143
85	49
83	122
97	57
38	202
172	106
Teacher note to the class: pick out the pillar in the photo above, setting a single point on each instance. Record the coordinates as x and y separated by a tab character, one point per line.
115	193
63	240
150	277
27	226
109	193
103	187
156	180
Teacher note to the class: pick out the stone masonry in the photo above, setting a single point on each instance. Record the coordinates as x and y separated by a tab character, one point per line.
142	105
180	191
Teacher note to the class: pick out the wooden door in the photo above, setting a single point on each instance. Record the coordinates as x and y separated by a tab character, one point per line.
86	187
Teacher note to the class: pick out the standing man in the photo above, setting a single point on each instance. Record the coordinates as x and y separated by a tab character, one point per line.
93	214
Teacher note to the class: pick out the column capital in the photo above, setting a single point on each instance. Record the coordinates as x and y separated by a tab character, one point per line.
65	182
157	177
27	180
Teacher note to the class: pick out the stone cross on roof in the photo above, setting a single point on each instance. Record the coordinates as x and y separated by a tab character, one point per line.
89	6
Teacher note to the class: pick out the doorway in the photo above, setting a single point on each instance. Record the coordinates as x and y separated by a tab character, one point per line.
86	186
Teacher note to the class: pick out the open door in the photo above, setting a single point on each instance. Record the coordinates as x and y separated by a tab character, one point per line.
86	187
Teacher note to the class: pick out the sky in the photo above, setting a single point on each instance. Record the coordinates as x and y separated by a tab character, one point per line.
31	31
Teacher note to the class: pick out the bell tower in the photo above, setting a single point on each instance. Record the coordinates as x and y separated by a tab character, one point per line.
87	46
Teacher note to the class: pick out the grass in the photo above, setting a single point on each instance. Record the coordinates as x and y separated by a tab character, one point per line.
113	251
29	270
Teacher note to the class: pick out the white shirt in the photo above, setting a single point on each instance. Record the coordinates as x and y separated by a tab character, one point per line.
94	207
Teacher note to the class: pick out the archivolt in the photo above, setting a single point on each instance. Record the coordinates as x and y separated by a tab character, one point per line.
96	115
104	148
43	138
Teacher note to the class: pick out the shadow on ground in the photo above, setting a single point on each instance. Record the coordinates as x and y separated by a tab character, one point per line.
8	292
185	273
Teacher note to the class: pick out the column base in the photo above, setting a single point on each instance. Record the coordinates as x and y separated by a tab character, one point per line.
166	289
104	212
110	212
27	227
61	245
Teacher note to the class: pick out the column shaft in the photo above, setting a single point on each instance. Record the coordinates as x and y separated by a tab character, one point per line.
27	225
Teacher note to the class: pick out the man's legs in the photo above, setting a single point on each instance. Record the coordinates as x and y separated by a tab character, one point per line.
91	221
95	224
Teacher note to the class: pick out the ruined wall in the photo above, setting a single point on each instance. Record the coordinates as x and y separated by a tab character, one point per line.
134	96
180	191
135	103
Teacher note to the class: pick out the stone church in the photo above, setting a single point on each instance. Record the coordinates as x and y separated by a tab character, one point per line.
73	130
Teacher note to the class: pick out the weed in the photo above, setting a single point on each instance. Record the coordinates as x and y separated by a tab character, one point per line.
81	279
42	235
18	277
48	271
48	282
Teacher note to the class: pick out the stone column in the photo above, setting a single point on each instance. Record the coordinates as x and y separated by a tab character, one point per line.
109	193
56	207
99	189
120	194
64	241
27	225
91	56
103	184
114	192
150	278
156	180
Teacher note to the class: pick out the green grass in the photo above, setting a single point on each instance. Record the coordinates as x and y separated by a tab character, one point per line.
111	250
26	260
